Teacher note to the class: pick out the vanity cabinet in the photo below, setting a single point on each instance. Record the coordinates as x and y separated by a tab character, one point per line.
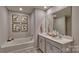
48	44
51	48
41	43
54	47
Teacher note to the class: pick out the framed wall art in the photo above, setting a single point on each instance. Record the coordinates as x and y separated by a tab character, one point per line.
16	27
19	23
24	19
24	27
16	18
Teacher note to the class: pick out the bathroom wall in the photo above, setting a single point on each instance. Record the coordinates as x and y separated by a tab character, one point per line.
3	25
49	22
39	19
75	27
32	15
38	16
18	34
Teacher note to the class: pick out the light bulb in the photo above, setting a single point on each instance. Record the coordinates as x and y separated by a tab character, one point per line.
20	9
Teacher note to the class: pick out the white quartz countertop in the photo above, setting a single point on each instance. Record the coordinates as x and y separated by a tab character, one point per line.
58	40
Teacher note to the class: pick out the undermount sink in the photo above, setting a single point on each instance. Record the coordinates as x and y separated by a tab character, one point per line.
58	37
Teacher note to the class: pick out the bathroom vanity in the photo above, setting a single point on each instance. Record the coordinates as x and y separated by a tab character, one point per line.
57	37
49	44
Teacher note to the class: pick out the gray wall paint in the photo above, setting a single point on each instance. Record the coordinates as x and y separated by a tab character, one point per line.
39	18
18	34
32	22
3	25
75	27
49	22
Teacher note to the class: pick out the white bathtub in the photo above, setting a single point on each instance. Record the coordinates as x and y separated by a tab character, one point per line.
18	41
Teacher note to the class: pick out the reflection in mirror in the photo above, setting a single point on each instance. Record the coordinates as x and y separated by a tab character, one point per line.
62	21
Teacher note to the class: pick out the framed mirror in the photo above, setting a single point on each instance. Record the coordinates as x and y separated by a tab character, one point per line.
62	21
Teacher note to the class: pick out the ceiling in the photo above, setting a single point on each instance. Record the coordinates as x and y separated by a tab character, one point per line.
26	9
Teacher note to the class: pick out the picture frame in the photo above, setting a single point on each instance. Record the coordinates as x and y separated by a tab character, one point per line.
16	27
16	18
19	23
24	28
24	19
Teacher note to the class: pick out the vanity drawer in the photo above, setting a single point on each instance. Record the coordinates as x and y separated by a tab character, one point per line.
59	46
52	49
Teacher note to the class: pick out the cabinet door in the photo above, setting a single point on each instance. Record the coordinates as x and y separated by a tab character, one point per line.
42	44
50	48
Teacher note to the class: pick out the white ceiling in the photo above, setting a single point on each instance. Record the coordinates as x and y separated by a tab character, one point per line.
26	9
